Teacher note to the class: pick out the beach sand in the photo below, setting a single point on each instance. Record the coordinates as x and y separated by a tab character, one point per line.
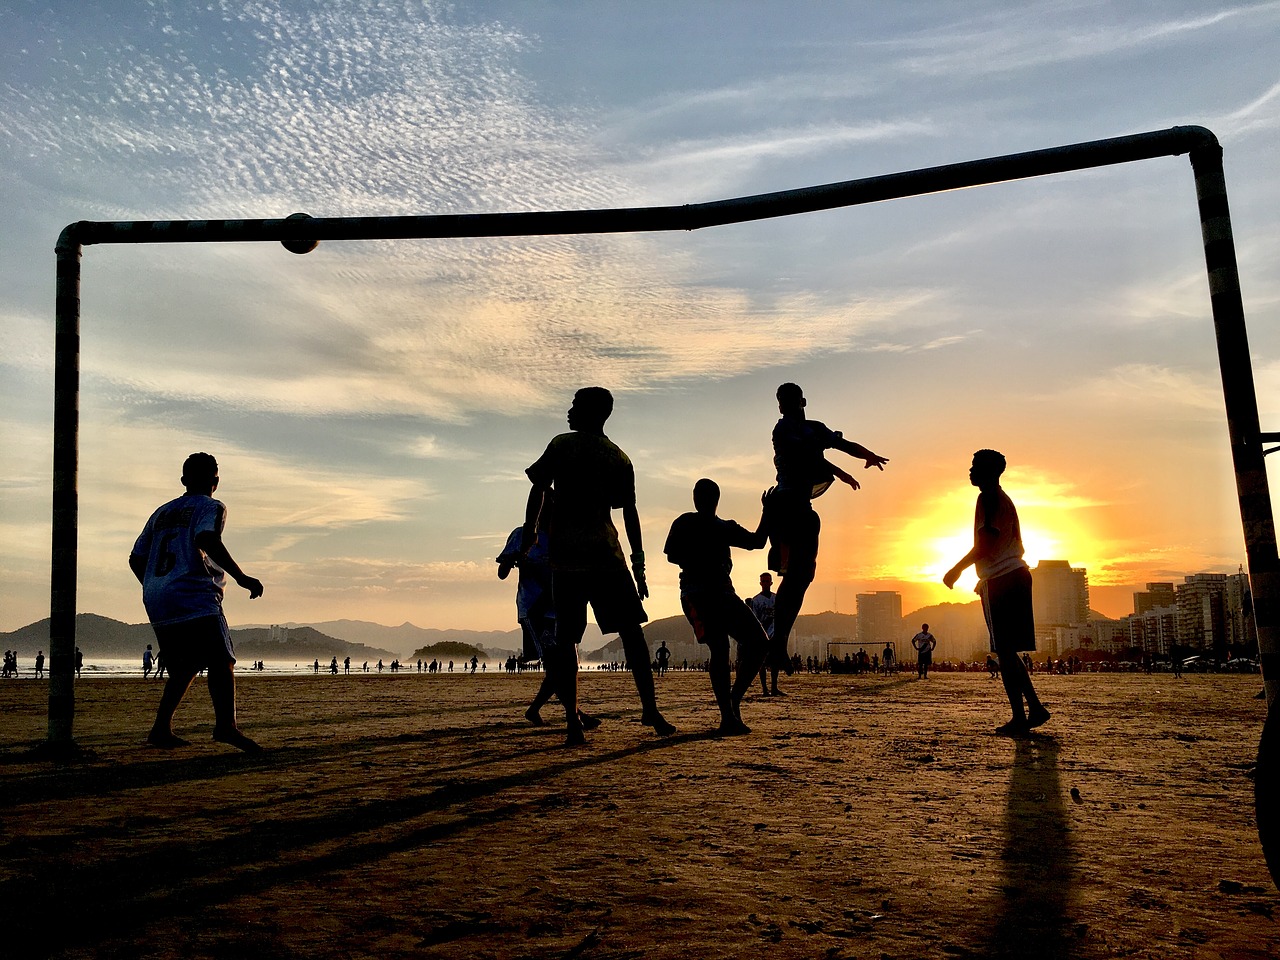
411	815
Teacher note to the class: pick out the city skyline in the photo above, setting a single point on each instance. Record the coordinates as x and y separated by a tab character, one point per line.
373	406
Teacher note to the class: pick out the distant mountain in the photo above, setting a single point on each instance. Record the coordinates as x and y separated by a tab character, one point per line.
102	637
409	636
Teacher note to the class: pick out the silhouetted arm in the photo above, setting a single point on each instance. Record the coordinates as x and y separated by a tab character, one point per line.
983	538
842	476
212	544
861	452
631	523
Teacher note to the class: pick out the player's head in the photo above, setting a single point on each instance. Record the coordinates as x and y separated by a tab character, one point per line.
987	467
706	496
790	398
766	581
200	470
924	627
591	408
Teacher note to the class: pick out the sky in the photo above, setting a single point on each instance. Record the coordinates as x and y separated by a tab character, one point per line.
373	405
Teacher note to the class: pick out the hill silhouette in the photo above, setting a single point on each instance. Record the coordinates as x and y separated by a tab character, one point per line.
104	638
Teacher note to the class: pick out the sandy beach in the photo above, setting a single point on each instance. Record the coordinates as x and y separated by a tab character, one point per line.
397	816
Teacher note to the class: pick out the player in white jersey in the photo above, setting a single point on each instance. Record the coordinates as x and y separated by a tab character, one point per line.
182	564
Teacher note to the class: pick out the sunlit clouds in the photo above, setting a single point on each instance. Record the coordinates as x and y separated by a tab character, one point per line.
374	404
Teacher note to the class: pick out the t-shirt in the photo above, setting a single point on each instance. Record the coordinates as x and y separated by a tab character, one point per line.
180	581
924	643
700	543
762	605
591	477
533	595
799	455
995	511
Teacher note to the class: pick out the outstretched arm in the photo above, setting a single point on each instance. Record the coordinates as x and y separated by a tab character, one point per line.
842	476
861	452
212	544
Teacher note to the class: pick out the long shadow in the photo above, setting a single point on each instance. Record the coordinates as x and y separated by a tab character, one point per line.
188	874
1038	860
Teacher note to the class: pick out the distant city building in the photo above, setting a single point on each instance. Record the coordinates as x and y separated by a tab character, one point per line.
1201	602
879	618
1156	595
1059	598
1242	631
1154	632
278	633
1110	636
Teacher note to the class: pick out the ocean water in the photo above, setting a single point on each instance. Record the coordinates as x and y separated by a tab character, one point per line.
246	673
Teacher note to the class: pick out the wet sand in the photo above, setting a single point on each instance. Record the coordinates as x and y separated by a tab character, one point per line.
397	816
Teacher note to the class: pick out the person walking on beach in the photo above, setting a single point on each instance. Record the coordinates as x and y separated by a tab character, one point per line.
699	544
762	605
535	611
182	564
804	473
40	665
1004	586
924	643
663	658
887	658
579	480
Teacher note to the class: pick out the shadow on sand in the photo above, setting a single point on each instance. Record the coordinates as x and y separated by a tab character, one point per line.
1038	860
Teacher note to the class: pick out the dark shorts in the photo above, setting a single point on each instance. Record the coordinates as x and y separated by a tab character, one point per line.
610	591
1006	603
793	527
193	645
716	615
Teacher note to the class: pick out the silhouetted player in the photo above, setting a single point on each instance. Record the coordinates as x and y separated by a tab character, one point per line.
699	543
763	605
799	447
181	562
1004	584
590	477
537	616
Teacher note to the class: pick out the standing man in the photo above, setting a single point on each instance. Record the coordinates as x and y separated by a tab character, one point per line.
925	643
804	473
699	544
763	605
181	562
579	480
1004	584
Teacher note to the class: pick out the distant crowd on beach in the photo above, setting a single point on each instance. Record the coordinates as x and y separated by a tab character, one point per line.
569	556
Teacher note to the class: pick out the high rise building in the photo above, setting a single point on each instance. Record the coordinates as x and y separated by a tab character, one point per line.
1156	595
1059	598
879	618
1201	601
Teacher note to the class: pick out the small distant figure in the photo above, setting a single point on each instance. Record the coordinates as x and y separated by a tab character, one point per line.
316	666
475	662
379	664
182	564
763	605
40	665
924	643
10	664
148	661
663	656
699	543
804	474
366	666
579	480
333	666
993	667
346	666
1004	585
79	662
887	658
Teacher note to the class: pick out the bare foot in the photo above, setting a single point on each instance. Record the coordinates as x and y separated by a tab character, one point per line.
659	724
234	738
588	722
166	740
534	717
575	737
732	728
